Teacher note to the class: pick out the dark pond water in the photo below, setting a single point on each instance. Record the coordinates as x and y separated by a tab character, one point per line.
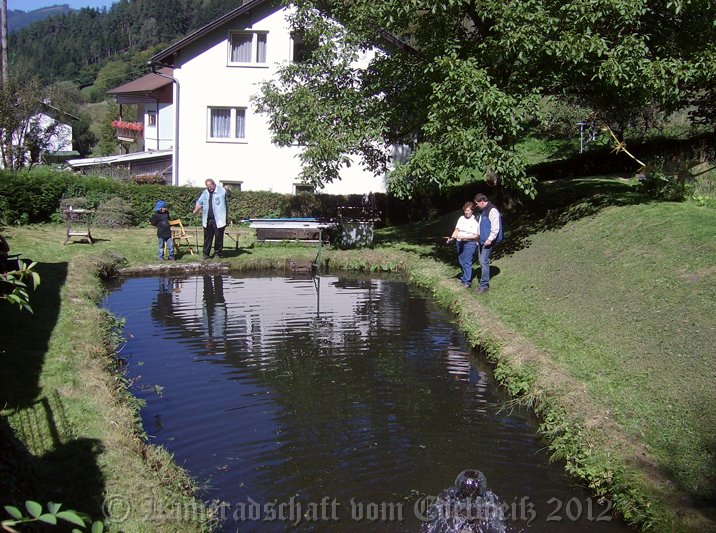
332	404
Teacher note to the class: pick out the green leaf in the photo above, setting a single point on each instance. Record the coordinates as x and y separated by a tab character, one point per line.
71	516
13	511
34	508
53	507
48	518
97	527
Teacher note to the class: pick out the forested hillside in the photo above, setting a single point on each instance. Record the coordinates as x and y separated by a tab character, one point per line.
17	19
74	46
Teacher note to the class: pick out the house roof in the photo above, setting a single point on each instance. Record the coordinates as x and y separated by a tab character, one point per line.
166	54
114	159
146	84
244	9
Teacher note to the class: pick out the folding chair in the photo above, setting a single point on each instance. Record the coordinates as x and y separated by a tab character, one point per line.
179	236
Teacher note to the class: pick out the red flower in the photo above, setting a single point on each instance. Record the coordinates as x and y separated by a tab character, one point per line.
122	125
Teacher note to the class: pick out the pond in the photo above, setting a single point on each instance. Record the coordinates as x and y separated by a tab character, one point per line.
335	403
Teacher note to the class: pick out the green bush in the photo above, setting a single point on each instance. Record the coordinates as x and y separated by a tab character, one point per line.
146	179
115	213
74	202
36	196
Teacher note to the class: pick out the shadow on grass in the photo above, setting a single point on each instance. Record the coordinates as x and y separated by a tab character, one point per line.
39	461
560	203
26	338
232	252
556	205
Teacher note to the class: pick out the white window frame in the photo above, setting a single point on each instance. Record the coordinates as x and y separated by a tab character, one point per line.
302	188
232	138
151	115
235	185
254	49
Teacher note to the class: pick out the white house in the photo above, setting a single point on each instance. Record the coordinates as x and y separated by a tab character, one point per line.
61	138
208	123
53	138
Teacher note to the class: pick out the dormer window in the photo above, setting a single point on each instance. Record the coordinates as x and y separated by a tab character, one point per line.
247	48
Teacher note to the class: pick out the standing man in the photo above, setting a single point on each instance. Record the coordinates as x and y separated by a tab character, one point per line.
489	228
212	204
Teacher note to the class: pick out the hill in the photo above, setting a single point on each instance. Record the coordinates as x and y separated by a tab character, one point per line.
17	19
72	45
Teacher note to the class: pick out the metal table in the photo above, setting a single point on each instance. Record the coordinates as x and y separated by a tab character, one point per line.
302	229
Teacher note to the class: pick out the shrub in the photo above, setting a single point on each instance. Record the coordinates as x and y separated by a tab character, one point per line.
146	179
115	213
76	202
34	197
661	186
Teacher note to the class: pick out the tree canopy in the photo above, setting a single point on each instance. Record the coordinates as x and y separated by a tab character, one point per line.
461	81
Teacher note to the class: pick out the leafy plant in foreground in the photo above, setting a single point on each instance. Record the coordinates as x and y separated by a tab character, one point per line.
35	513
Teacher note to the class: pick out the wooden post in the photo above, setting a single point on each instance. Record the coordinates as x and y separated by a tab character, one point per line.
3	39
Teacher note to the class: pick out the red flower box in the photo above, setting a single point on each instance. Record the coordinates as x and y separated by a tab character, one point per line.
122	125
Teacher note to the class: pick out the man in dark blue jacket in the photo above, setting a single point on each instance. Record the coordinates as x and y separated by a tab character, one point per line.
489	228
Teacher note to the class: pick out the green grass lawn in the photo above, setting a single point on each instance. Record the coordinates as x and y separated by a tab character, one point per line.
624	300
607	296
619	292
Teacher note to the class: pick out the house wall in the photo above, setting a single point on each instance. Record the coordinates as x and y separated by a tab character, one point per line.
207	80
61	139
161	136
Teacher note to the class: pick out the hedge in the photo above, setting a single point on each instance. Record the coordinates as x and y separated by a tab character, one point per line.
29	197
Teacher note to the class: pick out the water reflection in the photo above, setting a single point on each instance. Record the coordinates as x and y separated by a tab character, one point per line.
355	391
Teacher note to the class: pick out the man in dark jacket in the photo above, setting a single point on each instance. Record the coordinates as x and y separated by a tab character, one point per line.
489	228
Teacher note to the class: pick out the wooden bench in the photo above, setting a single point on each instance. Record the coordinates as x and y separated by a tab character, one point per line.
233	235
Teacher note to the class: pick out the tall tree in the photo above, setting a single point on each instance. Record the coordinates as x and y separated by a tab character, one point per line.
24	131
468	74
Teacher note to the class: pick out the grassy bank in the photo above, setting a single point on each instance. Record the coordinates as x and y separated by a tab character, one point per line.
614	295
69	430
600	314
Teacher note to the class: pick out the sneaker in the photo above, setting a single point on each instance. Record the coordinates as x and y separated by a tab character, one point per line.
206	258
171	259
482	289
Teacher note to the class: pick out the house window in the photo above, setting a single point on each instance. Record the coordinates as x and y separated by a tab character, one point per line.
302	47
247	48
302	188
234	185
151	119
227	123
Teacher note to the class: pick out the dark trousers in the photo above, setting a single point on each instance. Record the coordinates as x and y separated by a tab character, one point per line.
211	232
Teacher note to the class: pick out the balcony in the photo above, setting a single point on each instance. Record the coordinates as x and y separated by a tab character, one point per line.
128	131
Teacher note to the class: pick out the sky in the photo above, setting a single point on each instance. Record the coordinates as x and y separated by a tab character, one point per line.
31	5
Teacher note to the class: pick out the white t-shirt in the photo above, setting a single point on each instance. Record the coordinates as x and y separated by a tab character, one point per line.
466	227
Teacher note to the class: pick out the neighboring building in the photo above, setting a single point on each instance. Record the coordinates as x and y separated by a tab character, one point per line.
150	141
61	138
208	122
59	145
44	139
152	94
